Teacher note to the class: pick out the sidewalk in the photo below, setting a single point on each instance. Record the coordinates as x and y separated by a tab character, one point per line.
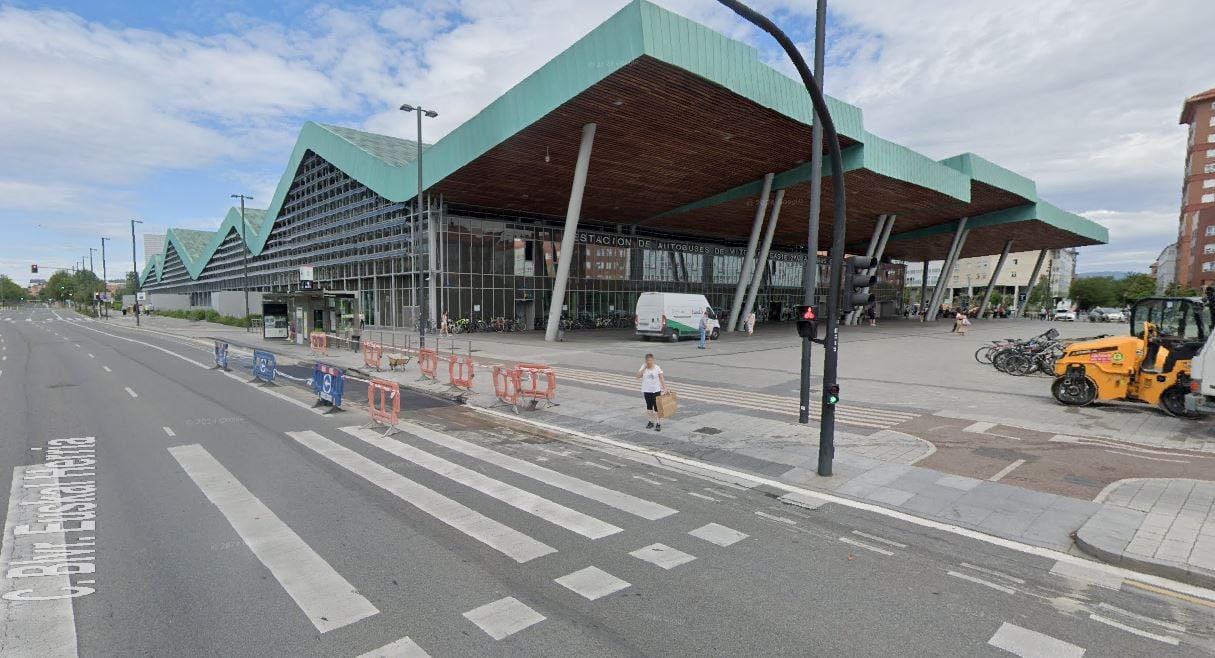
878	467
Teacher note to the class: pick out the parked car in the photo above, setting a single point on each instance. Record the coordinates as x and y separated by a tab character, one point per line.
1113	315
1065	316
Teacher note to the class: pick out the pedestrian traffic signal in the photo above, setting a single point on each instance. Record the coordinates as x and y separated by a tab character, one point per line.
833	394
33	269
807	322
857	282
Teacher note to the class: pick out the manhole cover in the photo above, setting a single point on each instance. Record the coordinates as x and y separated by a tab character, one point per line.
708	430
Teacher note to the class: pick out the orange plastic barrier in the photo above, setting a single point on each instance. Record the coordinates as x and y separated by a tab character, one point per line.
428	363
461	369
318	343
536	382
506	386
384	403
372	354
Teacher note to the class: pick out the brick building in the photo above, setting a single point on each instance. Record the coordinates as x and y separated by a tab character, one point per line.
1196	235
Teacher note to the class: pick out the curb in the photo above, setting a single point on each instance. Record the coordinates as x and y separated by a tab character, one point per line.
1171	570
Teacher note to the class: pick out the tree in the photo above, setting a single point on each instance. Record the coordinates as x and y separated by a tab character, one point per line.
60	287
1175	289
1040	294
1135	287
1091	291
132	285
10	292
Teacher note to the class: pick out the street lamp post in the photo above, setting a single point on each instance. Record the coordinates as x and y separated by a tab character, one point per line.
94	273
244	254
135	269
412	242
105	287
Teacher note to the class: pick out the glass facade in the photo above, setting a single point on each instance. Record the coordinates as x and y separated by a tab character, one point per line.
489	265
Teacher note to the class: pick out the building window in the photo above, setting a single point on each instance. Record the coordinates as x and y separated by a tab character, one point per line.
1208	184
1209	169
1210	231
1211	153
1208	198
1208	248
1211	123
1208	266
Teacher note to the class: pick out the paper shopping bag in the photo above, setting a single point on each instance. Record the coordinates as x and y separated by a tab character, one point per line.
668	404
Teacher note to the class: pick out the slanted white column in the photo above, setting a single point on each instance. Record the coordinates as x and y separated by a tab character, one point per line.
877	253
994	275
1033	283
569	235
923	291
761	263
749	256
876	237
955	248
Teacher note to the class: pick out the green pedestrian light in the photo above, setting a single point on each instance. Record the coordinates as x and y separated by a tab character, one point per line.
833	394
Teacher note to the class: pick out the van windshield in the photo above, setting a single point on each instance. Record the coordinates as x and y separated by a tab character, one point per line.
709	314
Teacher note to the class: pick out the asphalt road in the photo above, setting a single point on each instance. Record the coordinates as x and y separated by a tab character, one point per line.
232	519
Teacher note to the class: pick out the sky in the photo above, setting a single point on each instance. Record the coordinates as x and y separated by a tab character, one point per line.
159	111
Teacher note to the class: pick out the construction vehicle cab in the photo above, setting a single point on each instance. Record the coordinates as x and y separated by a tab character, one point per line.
1151	365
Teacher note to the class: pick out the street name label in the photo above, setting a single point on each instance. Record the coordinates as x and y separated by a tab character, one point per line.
49	539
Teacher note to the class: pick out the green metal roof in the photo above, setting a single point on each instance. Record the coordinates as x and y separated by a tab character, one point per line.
386	165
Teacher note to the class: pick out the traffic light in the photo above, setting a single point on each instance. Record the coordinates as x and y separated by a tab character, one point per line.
857	281
833	394
807	322
34	269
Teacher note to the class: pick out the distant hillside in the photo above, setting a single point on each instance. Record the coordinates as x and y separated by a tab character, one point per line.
1113	275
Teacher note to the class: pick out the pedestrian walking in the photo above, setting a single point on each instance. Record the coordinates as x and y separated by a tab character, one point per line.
751	323
871	315
961	323
444	325
652	385
703	327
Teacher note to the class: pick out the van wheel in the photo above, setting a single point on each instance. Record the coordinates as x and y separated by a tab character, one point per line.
714	335
673	337
645	339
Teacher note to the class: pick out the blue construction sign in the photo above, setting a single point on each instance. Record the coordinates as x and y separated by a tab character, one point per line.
221	354
263	365
328	383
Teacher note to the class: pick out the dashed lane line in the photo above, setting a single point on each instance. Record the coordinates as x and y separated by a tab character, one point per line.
107	368
169	431
1167	639
980	581
888	542
130	392
1006	470
868	547
778	519
702	496
993	572
326	598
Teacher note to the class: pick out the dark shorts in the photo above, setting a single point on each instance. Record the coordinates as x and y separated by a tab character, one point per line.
651	401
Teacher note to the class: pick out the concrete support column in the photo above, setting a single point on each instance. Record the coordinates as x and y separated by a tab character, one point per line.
749	256
761	263
569	236
1033	283
955	248
995	275
923	290
876	237
879	251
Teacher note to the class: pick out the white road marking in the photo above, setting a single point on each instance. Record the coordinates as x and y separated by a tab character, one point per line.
77	344
619	500
1006	470
169	431
978	428
510	542
1154	459
980	581
503	618
327	599
91	356
130	392
646	479
107	368
721	493
559	453
875	549
774	517
1032	644
402	648
1131	629
888	542
597	465
993	572
1127	613
1080	572
718	534
662	477
702	496
34	628
4	358
662	555
572	520
592	583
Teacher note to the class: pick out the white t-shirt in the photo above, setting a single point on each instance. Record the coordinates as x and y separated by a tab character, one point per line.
650	383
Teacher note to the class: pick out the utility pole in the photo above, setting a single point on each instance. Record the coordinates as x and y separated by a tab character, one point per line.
135	269
810	275
244	254
424	305
105	285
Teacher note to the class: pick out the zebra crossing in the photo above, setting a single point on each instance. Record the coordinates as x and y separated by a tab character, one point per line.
844	413
330	602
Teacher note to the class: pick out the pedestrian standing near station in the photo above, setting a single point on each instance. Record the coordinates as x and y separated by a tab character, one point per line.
652	385
751	323
703	326
961	323
444	325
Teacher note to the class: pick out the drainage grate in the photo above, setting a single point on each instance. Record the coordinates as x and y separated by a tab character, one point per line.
708	430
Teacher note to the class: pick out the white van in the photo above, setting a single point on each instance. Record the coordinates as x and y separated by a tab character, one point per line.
672	315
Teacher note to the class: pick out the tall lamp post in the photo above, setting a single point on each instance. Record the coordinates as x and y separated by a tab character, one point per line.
105	286
413	246
244	255
135	269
